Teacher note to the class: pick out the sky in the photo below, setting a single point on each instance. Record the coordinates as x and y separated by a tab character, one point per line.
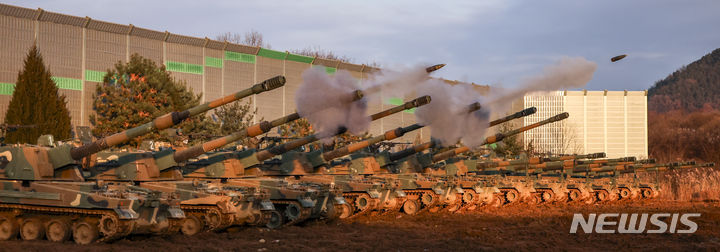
493	42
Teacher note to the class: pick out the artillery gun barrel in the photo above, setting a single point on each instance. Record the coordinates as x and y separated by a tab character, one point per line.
280	149
412	150
389	135
519	114
173	118
471	108
604	168
646	161
508	163
499	137
428	70
604	161
571	157
252	131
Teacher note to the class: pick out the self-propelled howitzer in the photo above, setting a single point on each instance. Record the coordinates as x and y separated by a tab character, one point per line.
248	165
49	186
38	201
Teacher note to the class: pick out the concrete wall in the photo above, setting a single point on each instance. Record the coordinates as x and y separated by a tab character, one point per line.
614	122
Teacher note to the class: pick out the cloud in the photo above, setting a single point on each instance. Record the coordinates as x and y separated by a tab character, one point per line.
482	41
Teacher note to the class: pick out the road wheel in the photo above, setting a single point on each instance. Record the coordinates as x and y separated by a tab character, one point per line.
191	225
411	207
646	193
276	220
497	201
32	229
85	233
624	193
469	197
511	196
8	228
58	230
548	196
574	195
602	195
347	210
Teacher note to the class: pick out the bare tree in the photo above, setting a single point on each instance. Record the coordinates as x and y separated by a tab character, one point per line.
255	38
316	51
251	38
569	139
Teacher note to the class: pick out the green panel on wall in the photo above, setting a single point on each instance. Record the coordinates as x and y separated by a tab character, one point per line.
271	54
94	76
330	70
398	102
239	57
68	83
184	67
300	58
7	88
213	62
394	101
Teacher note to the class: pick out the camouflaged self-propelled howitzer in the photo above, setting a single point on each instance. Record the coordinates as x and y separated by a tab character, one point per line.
45	194
554	177
207	205
249	167
455	187
41	198
295	202
621	180
361	193
278	175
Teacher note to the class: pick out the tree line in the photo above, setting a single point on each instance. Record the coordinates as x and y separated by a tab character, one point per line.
683	115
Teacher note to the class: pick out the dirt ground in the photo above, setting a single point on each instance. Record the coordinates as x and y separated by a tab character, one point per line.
514	227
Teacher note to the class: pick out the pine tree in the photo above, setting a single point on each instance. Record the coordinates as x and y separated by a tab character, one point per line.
36	108
138	91
235	117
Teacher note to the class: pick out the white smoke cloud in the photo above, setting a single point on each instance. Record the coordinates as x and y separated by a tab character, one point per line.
447	115
320	99
567	73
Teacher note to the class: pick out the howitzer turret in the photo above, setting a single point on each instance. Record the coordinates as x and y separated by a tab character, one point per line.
499	137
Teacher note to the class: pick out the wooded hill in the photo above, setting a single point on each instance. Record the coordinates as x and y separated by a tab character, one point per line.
690	88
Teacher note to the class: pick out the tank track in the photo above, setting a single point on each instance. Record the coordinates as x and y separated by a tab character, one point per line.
106	222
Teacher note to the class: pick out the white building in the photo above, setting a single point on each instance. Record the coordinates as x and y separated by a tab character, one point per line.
614	122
